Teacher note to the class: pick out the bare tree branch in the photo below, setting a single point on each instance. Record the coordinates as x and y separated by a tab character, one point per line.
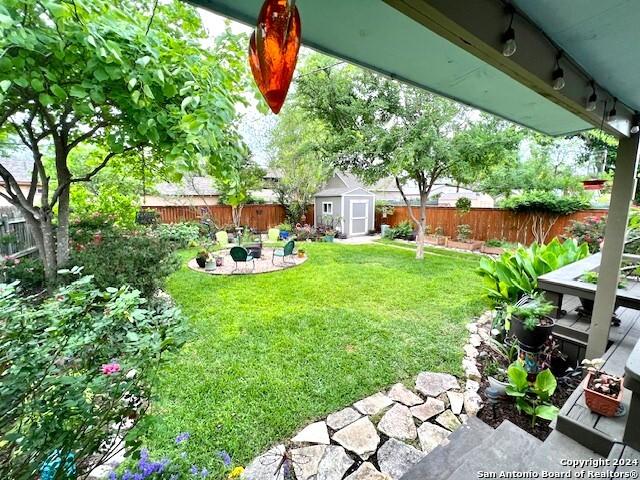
86	135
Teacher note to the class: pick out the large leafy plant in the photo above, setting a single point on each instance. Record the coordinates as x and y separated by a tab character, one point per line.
515	273
72	368
532	398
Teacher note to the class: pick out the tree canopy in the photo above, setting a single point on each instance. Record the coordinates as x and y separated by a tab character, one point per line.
378	128
125	76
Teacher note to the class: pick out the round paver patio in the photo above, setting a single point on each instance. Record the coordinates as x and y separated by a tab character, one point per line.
262	264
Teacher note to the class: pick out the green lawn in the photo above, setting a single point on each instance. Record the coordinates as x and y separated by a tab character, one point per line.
275	351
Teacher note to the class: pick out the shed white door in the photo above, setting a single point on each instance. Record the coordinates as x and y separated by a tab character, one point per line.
359	217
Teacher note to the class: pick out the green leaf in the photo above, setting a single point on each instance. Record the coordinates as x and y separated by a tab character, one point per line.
548	412
147	91
545	384
143	61
58	91
132	336
77	91
135	96
5	84
45	99
132	83
100	75
518	376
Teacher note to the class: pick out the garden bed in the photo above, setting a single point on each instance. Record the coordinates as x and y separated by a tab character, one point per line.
505	409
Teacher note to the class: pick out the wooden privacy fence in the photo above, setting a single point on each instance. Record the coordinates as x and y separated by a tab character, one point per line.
15	238
259	217
487	223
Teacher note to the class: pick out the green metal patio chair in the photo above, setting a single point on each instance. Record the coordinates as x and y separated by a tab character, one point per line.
286	251
241	255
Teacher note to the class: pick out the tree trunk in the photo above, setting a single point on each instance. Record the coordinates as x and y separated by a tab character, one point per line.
48	256
62	232
422	223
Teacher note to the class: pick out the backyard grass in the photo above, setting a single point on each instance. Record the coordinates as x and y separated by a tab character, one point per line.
272	352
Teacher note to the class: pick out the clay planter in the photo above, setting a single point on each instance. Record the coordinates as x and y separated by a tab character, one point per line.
532	340
470	245
492	250
435	240
300	254
600	403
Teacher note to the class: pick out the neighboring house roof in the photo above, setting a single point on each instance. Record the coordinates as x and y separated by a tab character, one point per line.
189	187
19	161
342	184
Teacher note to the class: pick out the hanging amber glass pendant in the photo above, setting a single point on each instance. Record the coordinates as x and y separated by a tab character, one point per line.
273	50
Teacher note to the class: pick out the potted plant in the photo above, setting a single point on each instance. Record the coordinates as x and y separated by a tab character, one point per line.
329	235
528	319
602	392
463	239
301	253
285	230
201	258
210	264
219	261
497	377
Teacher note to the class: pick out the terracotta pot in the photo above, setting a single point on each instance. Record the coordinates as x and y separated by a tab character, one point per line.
599	403
300	254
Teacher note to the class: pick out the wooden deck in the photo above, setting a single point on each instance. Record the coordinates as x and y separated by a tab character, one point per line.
575	420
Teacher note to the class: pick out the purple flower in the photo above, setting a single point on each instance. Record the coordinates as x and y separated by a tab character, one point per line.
113	475
127	475
183	437
204	473
194	469
225	457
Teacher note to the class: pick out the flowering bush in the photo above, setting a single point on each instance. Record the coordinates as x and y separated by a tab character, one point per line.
73	370
590	231
177	465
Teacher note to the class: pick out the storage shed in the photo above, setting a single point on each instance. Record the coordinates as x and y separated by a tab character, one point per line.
346	200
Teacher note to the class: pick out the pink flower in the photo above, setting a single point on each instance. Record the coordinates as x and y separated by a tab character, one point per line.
110	368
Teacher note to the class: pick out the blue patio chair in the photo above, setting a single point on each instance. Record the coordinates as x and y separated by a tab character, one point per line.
286	251
241	255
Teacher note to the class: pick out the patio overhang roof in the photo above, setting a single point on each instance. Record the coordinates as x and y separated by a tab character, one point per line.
454	48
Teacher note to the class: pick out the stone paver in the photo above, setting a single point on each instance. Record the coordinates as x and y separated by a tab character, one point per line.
360	438
374	404
431	436
396	458
456	401
334	464
341	419
398	423
314	433
306	460
402	394
367	471
448	420
262	265
472	402
433	384
472	386
262	468
430	408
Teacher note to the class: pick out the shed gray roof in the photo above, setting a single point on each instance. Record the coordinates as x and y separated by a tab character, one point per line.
18	160
350	183
190	187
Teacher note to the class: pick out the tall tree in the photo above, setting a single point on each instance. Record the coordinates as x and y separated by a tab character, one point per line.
299	157
123	75
379	128
242	177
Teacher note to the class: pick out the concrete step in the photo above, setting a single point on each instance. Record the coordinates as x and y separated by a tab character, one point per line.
625	460
445	458
507	449
557	449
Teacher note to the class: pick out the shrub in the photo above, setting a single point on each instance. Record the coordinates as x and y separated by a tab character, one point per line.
516	272
463	205
72	367
180	234
27	270
463	232
139	259
545	202
147	216
590	231
402	230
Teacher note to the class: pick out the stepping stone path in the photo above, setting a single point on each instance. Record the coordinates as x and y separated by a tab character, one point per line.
379	437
